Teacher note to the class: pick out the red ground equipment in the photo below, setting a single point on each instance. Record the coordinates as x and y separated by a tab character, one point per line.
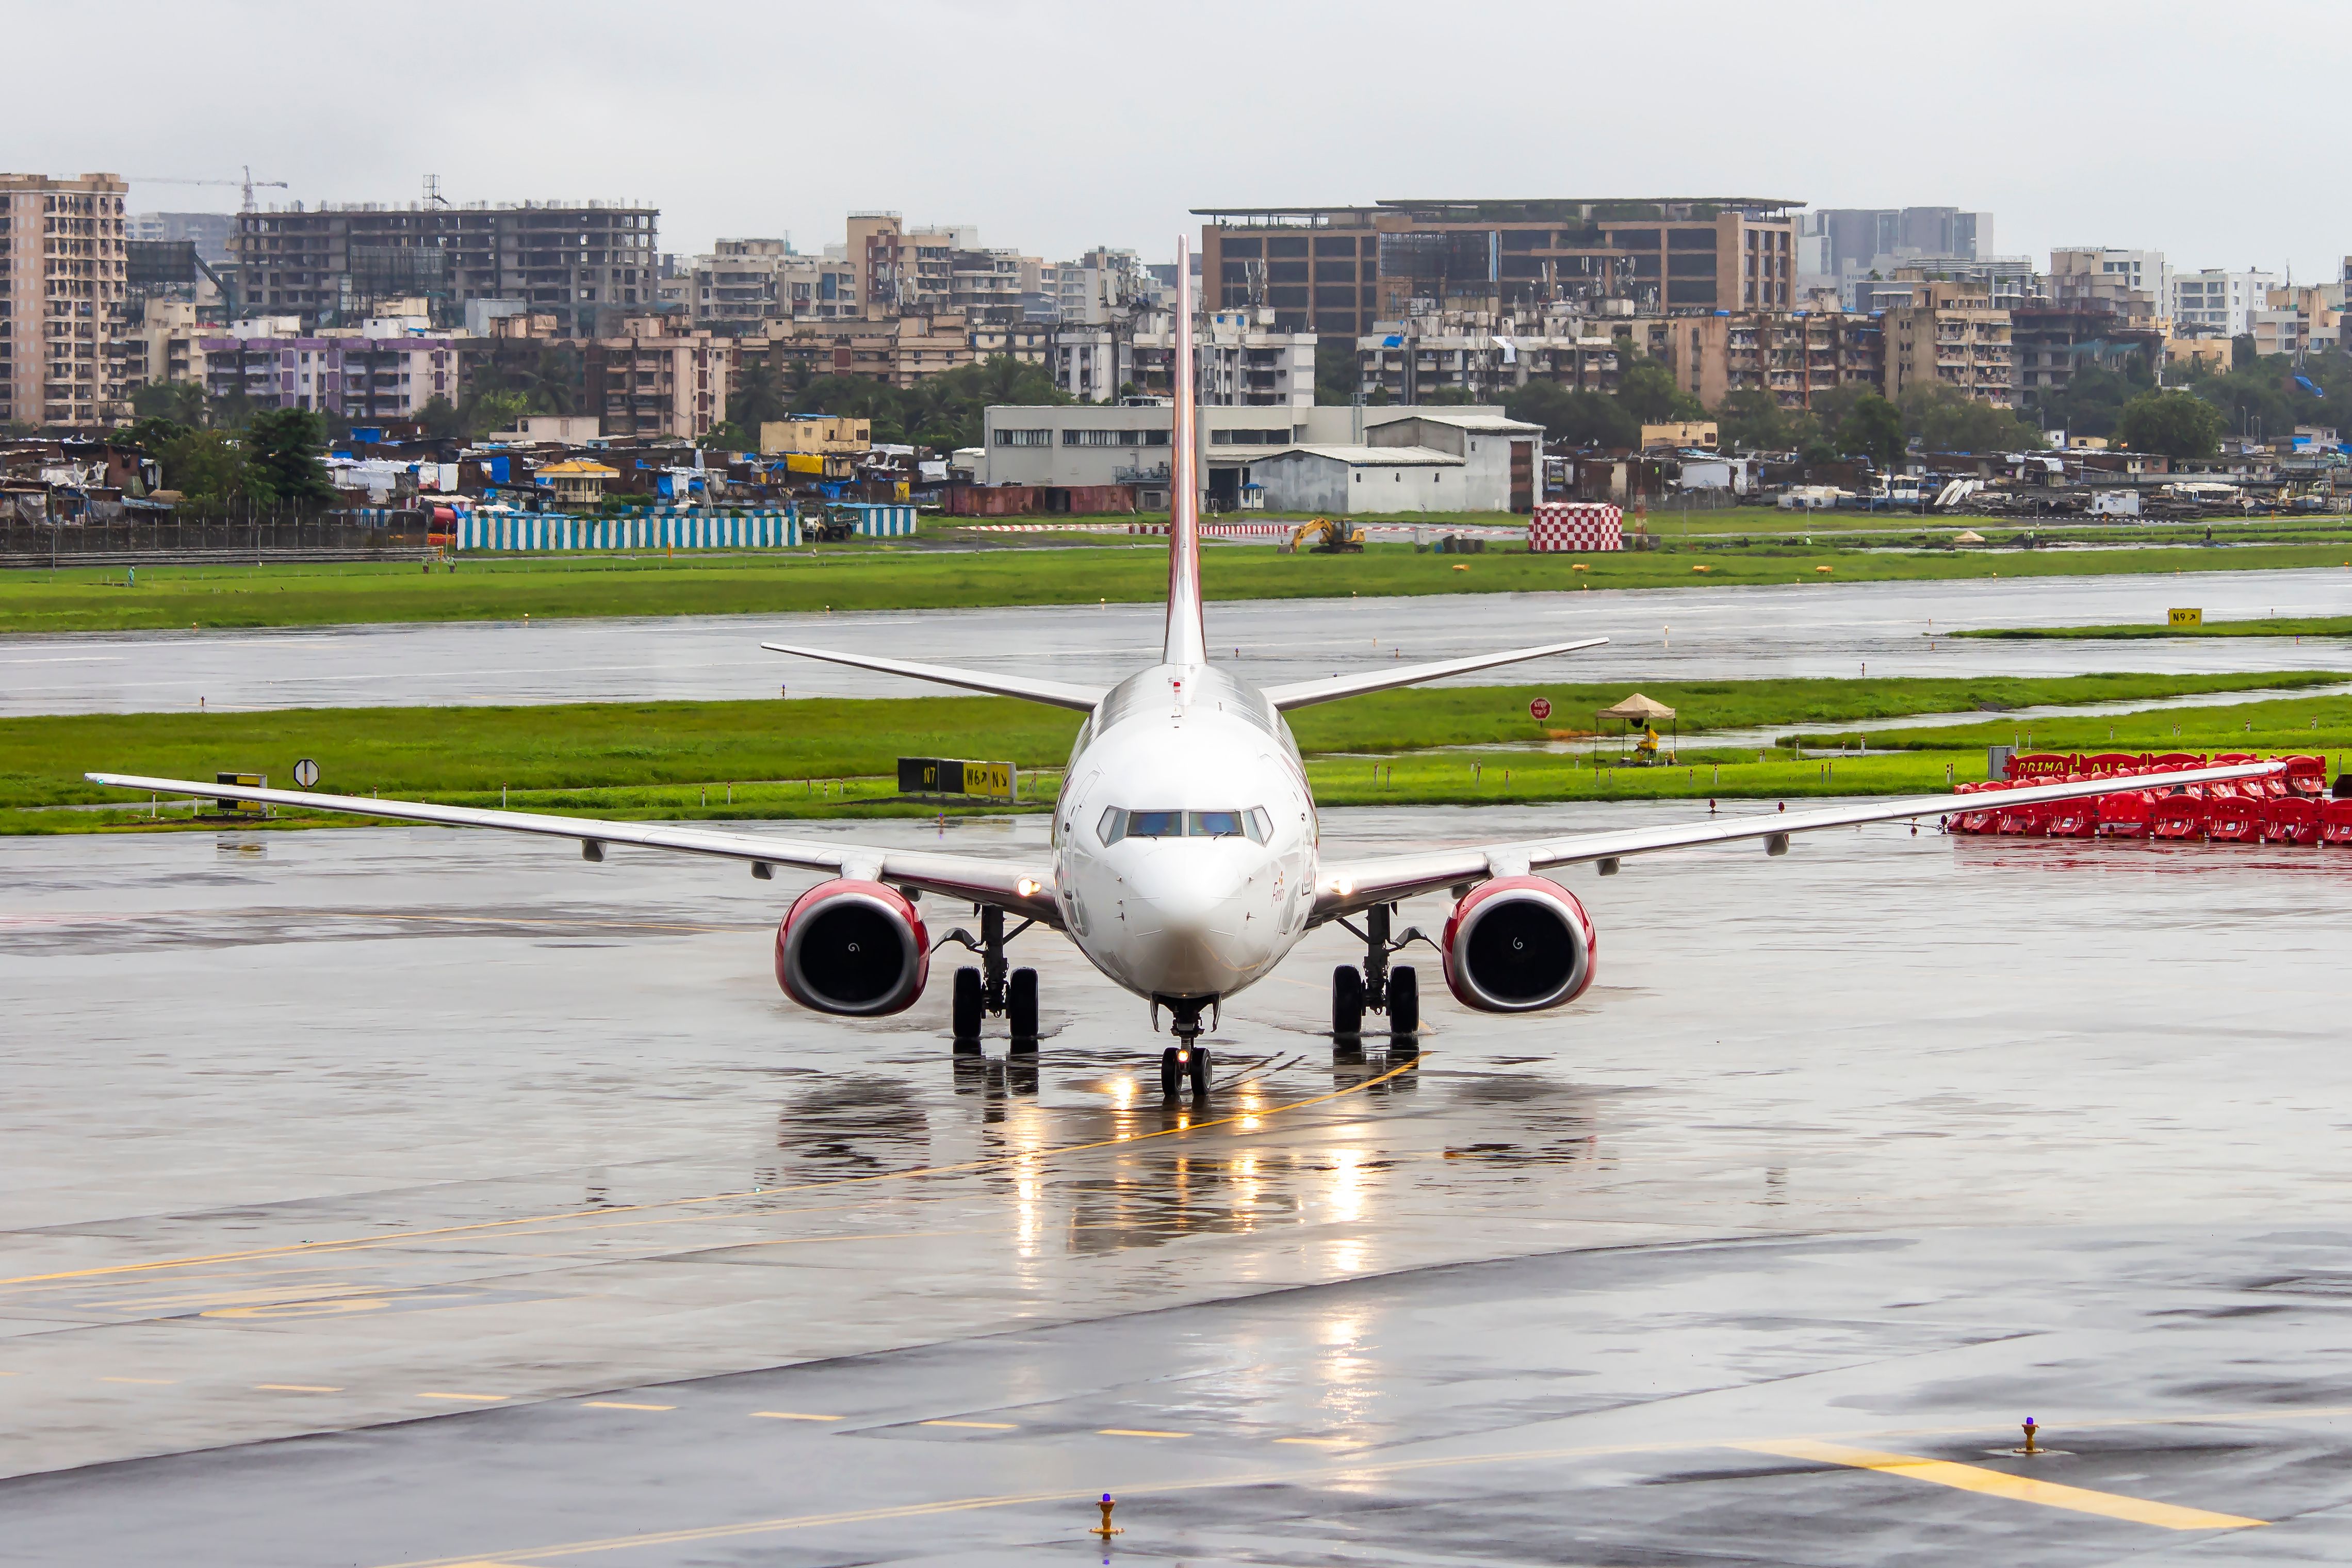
2289	807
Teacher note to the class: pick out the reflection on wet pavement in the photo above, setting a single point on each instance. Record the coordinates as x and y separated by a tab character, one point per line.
409	1117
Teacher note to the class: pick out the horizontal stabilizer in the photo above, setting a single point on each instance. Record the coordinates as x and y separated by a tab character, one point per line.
1306	693
1053	693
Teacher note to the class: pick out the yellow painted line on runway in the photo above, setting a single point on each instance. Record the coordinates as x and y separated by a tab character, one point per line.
1248	1118
976	1425
298	1388
518	921
469	1398
792	1416
1351	1471
2001	1484
1136	1431
620	1405
151	1382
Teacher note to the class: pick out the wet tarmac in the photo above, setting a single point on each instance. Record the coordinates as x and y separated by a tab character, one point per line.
1690	634
396	1196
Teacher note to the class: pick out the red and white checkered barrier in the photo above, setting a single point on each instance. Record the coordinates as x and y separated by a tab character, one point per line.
1225	529
1560	526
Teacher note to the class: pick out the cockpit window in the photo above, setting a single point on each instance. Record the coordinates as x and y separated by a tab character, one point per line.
1252	825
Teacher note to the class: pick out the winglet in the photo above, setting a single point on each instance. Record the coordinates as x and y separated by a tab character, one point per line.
1188	635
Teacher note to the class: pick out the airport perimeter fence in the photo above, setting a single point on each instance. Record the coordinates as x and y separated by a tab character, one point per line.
194	539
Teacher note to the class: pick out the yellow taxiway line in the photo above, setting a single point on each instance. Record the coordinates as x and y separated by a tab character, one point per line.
2168	1515
2000	1483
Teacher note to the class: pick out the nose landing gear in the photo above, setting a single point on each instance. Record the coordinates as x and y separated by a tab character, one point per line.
1187	1060
992	988
1377	988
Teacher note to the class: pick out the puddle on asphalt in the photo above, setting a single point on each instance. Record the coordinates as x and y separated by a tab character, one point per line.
853	1123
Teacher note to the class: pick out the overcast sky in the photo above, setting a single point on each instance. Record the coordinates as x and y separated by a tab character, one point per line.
2204	133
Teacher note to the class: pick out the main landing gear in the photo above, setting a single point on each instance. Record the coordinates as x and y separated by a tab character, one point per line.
1377	988
992	988
1187	1060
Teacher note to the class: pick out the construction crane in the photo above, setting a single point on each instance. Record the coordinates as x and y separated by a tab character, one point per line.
248	183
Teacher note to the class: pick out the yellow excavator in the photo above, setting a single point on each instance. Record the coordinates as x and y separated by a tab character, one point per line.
1329	536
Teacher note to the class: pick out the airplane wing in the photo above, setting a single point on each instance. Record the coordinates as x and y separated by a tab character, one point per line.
1306	693
1054	693
1024	890
1347	887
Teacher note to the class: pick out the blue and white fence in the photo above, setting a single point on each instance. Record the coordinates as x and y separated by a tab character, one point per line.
883	520
661	531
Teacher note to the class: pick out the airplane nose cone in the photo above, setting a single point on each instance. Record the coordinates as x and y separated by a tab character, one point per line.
1195	894
1196	903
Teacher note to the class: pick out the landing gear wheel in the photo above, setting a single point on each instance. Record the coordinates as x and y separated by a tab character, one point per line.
1404	1003
1200	1072
964	1012
1171	1077
1021	1009
1347	1003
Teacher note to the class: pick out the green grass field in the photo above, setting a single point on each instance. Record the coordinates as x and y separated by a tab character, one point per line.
930	577
826	757
2278	627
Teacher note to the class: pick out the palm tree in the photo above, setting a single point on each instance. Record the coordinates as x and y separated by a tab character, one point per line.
554	382
758	397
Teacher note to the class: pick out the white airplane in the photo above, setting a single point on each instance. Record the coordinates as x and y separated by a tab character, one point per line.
1186	857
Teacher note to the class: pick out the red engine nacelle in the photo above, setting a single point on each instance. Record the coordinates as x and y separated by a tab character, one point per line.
853	947
1518	944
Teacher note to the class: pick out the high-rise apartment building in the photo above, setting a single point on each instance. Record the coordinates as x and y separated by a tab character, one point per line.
1337	270
384	369
208	232
1103	285
337	262
902	271
1795	355
760	279
2216	302
2136	283
63	277
1951	335
1836	244
649	382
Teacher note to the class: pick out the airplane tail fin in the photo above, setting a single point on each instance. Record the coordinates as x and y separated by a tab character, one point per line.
1188	636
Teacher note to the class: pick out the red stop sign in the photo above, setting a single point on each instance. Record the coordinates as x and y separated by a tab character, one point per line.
1540	709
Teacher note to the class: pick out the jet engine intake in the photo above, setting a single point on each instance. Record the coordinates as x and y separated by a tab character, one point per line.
1517	944
853	947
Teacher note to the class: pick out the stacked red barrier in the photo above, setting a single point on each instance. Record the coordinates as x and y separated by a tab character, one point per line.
2289	807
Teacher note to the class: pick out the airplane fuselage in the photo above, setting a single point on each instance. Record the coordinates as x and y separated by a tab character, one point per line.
1184	844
